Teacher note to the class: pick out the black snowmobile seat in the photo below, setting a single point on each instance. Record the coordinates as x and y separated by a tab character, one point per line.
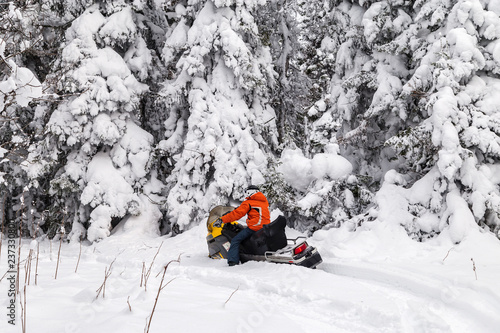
275	234
271	237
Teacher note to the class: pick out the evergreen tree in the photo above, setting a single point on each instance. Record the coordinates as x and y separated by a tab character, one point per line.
456	142
97	155
217	104
405	96
323	33
20	87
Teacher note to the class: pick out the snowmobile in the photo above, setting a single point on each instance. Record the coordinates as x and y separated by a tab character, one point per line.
268	244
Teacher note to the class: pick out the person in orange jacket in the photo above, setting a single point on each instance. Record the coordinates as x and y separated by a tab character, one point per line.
256	207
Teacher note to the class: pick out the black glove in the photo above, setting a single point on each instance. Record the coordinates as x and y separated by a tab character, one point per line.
218	223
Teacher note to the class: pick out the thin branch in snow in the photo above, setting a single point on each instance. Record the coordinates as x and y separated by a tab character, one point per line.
142	273
474	267
231	295
147	273
107	273
448	253
79	255
62	232
22	302
160	288
6	63
8	270
36	266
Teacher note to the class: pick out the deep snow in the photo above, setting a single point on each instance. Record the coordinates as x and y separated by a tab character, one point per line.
373	279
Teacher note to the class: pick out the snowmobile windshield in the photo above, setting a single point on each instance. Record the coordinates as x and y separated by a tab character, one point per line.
217	212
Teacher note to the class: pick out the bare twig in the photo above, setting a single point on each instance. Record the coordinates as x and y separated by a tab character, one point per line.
20	244
142	273
59	98
166	284
22	302
147	273
24	312
31	253
4	275
474	267
36	266
6	63
128	302
448	253
23	51
107	273
27	267
79	255
231	295
37	248
160	288
155	202
62	232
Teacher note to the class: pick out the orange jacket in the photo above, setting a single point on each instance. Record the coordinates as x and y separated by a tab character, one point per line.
257	209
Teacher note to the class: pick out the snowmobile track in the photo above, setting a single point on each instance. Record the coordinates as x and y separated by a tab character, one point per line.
441	292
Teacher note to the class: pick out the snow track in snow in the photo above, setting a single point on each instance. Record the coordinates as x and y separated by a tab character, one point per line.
308	299
355	297
440	294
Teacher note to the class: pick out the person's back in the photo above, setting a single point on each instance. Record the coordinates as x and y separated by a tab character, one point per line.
256	207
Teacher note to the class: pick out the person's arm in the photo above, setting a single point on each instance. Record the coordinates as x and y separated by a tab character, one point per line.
237	213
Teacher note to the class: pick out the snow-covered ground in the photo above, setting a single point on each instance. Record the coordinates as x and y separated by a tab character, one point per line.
374	279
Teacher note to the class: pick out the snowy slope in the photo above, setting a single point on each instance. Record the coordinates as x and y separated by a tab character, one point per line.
374	279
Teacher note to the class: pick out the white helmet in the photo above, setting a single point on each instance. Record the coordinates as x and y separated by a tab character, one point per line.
251	190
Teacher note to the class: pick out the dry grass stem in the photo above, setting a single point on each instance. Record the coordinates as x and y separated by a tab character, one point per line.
22	302
160	288
36	266
61	234
448	253
102	288
27	267
79	255
20	244
147	273
142	273
4	275
231	295
474	267
25	309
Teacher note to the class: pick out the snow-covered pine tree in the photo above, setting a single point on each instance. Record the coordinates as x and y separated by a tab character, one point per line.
95	151
328	193
412	92
456	142
279	29
217	105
